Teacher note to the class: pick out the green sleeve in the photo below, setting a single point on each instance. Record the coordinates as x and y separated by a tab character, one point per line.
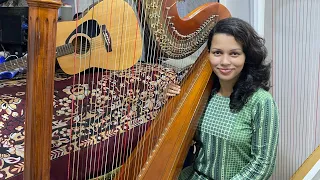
264	143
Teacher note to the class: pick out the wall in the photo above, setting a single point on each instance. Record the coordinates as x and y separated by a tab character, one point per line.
293	37
251	11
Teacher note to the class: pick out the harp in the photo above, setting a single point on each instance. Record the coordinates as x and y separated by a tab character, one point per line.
292	37
109	31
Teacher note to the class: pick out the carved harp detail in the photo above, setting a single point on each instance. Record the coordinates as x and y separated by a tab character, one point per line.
180	37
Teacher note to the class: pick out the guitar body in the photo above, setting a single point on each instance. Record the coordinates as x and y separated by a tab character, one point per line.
108	36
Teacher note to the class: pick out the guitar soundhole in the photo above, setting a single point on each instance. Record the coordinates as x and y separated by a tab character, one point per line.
82	44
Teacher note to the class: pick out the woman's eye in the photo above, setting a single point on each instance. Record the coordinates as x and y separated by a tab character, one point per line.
234	54
216	52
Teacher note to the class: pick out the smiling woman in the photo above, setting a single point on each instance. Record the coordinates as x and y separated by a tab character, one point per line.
227	60
237	135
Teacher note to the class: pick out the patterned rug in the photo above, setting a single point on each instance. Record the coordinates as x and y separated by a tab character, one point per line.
100	108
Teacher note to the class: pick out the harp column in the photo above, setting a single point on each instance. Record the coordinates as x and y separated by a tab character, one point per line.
42	26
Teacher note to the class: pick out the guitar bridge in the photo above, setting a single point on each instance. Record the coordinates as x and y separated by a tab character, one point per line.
106	38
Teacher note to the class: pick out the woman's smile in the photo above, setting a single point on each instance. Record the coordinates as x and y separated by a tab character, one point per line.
225	71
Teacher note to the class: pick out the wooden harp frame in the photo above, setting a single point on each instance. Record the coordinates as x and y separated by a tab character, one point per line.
174	142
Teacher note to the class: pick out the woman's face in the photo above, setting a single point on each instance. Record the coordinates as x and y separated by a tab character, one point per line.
226	58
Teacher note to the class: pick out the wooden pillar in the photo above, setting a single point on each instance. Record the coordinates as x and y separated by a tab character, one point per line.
42	26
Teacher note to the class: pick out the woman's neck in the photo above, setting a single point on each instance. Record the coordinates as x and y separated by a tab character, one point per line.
226	88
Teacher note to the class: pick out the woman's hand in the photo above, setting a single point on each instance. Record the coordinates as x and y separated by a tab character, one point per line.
172	89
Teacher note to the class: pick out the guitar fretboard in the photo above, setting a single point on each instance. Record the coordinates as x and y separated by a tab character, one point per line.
14	64
64	50
22	62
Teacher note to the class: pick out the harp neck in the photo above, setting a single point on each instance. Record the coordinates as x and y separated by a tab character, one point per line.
180	37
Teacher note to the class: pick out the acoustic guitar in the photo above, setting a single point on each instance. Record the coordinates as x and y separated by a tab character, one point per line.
104	37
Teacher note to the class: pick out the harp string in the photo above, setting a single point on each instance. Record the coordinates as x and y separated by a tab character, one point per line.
122	144
154	56
134	130
117	139
124	136
73	114
80	103
97	120
131	133
141	128
104	111
80	107
111	99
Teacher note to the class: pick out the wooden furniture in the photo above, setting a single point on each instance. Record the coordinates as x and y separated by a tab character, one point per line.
310	164
162	149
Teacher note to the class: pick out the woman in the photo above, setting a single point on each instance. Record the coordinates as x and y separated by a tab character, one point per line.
237	135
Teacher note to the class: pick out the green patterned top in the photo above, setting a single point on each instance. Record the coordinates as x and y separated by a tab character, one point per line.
236	146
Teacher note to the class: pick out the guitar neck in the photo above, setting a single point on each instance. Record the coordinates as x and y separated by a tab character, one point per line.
64	50
22	62
14	64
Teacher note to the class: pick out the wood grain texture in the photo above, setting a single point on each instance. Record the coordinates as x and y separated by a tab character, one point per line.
39	98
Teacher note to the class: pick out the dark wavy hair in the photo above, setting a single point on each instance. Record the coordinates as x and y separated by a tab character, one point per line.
255	73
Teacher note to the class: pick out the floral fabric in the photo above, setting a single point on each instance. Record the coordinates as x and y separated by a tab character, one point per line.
102	107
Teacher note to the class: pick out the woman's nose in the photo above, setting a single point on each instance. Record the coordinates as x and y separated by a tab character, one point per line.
225	60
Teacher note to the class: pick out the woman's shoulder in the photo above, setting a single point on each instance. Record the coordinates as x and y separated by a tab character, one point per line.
261	96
